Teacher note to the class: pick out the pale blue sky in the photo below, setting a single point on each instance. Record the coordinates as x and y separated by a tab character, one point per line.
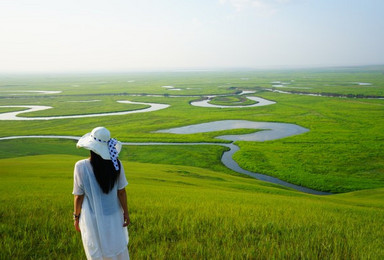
123	35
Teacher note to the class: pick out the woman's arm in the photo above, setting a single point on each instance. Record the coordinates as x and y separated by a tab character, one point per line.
123	201
77	202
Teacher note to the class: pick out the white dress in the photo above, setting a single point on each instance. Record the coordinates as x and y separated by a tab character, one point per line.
101	219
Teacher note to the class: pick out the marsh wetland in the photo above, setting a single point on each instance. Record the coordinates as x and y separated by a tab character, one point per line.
195	142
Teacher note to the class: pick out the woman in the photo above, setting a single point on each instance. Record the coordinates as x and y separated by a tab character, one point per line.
100	203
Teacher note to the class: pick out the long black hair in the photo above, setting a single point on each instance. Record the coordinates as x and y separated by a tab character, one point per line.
105	173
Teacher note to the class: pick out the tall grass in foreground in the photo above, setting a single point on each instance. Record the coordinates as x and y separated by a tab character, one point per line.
181	212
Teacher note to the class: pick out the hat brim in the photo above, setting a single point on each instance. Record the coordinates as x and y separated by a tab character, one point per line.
87	142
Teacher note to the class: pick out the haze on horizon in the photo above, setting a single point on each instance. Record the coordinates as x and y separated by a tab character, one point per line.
123	35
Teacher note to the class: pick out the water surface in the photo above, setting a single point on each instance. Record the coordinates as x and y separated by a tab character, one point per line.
270	130
260	102
15	115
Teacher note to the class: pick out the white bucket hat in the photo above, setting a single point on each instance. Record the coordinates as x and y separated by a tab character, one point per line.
100	142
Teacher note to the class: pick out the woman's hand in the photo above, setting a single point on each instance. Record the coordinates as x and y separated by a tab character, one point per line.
122	195
77	203
76	224
127	220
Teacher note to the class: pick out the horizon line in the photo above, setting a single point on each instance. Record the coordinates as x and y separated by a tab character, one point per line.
192	69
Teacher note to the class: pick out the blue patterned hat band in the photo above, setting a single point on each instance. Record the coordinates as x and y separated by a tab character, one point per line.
113	152
99	140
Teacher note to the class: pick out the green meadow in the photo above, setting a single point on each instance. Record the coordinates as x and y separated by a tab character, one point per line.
184	212
187	212
184	203
232	101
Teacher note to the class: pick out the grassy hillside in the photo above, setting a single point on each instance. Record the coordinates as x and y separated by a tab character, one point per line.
188	212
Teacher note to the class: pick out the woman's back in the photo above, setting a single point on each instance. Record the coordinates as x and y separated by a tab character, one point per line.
101	215
100	202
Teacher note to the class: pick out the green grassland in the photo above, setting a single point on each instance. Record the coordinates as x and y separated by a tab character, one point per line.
332	80
197	155
342	152
10	109
184	203
232	101
184	212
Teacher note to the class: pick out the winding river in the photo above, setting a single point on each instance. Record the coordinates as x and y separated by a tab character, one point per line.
14	115
270	131
260	102
266	131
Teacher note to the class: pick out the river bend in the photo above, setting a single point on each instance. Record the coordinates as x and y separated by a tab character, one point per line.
270	131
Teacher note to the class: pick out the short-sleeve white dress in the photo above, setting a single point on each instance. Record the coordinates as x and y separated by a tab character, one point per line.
101	220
